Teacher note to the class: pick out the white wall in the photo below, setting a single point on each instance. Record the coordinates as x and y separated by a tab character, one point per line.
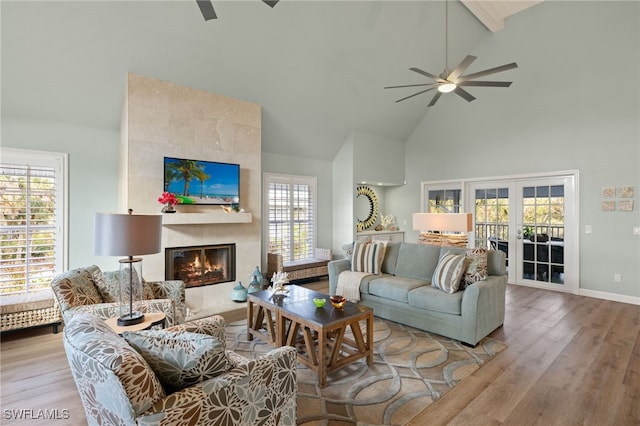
344	228
276	163
559	114
93	175
377	159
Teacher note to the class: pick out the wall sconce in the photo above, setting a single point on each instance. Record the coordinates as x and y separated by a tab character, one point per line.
443	224
128	235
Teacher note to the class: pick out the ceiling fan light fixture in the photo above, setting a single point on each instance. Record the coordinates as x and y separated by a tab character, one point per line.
447	87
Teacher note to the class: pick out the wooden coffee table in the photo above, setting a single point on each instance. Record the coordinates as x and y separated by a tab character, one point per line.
319	334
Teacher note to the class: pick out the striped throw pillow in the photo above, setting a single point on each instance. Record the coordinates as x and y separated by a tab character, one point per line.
367	257
449	272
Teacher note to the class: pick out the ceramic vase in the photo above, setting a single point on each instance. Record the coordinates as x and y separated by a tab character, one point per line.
239	293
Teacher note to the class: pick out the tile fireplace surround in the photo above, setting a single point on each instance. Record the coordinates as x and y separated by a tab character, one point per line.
165	119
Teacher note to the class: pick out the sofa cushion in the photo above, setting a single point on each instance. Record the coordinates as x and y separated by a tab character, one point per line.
448	273
367	257
496	264
417	261
364	282
180	358
390	258
394	288
432	299
476	269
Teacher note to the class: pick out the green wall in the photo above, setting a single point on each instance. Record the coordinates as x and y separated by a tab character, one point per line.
559	114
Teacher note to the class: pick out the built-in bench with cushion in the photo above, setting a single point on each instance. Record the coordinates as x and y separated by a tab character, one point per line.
302	269
35	309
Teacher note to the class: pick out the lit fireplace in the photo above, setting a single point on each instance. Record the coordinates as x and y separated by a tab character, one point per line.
201	265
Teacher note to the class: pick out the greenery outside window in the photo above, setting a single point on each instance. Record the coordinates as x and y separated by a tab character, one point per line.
290	210
32	219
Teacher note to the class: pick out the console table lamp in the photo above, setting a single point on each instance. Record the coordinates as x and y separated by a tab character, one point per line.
128	235
444	223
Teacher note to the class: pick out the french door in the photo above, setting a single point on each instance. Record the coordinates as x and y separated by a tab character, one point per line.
534	221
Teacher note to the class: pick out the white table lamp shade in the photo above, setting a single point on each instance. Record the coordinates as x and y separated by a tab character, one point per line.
443	222
127	234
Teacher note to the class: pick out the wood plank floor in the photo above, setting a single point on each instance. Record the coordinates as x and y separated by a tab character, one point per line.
571	360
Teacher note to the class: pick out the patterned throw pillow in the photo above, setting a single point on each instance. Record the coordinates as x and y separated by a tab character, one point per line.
211	326
448	273
76	288
108	284
367	257
180	358
348	249
476	266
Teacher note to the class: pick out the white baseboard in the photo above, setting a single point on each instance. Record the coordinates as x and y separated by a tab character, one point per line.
609	296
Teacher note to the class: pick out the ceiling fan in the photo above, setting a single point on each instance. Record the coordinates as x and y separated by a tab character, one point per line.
454	81
208	12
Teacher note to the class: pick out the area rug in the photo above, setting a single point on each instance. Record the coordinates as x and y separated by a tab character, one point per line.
411	370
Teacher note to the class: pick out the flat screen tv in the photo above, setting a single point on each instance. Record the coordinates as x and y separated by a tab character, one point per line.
202	182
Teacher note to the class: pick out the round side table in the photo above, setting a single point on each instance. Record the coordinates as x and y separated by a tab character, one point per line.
150	319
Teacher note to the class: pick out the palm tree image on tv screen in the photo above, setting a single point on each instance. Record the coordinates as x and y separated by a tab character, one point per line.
202	182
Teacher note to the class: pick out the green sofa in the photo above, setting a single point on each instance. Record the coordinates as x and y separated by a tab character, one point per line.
402	292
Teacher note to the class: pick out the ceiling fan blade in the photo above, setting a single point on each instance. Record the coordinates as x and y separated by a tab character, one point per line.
487	72
271	3
206	7
435	99
462	66
486	83
426	74
409	85
415	94
464	94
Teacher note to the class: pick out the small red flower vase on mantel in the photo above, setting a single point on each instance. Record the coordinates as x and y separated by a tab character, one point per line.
169	200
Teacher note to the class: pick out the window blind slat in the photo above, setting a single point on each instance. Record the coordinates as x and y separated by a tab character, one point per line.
291	219
27	227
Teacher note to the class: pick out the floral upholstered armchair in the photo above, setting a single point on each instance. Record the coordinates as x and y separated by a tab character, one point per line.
91	290
179	376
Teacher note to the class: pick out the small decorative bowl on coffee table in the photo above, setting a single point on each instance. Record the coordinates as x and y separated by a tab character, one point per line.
319	301
338	301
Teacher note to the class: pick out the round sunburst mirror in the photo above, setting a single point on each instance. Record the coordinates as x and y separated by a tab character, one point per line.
372	216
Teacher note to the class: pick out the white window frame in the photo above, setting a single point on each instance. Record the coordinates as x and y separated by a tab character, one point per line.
439	185
59	162
572	284
269	178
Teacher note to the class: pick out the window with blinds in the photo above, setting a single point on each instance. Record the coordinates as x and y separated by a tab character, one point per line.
30	222
291	216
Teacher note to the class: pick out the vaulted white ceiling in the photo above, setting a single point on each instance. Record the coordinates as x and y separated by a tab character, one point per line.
318	68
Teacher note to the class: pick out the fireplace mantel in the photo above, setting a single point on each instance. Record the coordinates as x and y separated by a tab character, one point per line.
204	218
